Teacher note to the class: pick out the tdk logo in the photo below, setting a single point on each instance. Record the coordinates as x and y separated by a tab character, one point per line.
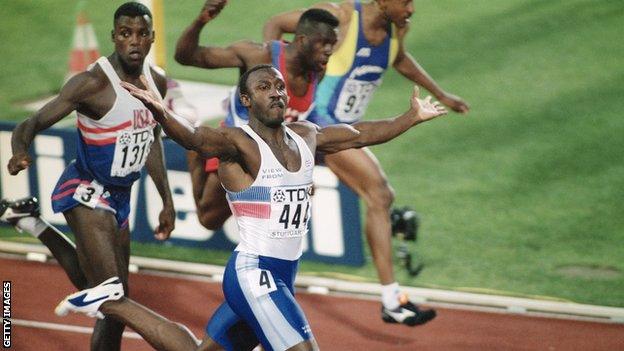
363	52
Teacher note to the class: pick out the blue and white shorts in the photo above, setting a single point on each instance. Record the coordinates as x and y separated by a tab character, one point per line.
260	291
76	187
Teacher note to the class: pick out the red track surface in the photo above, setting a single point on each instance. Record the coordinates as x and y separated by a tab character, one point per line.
338	323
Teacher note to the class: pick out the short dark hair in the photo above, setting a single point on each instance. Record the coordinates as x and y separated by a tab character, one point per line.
132	9
242	82
313	17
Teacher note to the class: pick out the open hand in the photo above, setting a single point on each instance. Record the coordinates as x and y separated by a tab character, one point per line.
211	10
425	109
147	97
18	162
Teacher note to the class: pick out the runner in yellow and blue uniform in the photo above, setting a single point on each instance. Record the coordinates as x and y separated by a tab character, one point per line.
354	72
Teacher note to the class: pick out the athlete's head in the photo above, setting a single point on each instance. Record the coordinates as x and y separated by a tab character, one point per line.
315	36
397	11
263	91
132	33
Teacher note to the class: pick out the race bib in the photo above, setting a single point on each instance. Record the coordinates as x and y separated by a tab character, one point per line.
260	282
290	211
354	99
89	194
131	150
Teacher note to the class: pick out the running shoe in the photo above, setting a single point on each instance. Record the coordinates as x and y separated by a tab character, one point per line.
12	211
88	301
407	313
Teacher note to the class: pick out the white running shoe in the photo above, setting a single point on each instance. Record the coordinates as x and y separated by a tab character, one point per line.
88	301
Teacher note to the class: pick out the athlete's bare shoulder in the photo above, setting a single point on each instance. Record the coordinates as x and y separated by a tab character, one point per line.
158	74
85	85
252	53
304	129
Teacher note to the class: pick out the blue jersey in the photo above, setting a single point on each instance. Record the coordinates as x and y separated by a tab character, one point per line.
299	107
353	74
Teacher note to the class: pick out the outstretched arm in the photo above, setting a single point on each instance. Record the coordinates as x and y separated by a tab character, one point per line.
189	52
410	69
340	137
73	92
206	141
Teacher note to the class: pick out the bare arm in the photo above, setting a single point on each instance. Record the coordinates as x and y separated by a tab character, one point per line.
279	24
340	137
189	52
208	142
286	22
156	169
410	69
68	100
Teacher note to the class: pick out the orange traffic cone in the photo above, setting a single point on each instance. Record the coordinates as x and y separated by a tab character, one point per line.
84	46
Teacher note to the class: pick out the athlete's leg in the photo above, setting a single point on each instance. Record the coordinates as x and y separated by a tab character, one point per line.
100	257
360	171
157	330
64	251
230	331
209	196
24	214
259	290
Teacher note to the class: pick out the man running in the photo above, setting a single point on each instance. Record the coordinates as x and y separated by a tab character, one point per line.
266	168
117	137
302	63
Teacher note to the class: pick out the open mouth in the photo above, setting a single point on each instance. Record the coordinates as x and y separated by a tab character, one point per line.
279	105
135	55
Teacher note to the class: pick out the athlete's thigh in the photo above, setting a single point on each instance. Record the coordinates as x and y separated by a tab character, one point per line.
359	169
265	303
229	331
97	241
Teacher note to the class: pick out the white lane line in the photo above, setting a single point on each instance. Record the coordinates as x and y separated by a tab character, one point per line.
64	327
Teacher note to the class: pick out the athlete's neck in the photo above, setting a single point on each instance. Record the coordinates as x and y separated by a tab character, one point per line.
295	63
270	134
124	71
373	17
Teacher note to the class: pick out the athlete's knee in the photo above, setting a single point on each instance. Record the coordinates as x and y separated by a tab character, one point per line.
379	195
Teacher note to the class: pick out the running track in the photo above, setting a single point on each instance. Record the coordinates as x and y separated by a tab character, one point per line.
339	323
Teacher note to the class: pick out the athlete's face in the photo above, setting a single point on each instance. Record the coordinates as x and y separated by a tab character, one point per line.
133	38
267	98
318	46
397	11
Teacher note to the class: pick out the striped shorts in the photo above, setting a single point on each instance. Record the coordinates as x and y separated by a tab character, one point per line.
76	187
260	291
